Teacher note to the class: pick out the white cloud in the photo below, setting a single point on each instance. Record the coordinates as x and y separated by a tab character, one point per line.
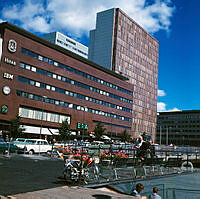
174	109
162	107
1	20
78	17
161	93
31	15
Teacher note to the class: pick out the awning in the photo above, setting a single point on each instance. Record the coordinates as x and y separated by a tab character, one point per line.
37	130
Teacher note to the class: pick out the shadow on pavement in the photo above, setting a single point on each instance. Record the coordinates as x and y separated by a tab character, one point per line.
26	173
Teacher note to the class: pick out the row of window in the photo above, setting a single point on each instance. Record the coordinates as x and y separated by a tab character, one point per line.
73	70
70	105
67	92
180	117
79	84
42	115
116	125
67	45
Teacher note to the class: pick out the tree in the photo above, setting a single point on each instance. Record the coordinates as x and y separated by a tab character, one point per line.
65	131
99	131
15	127
125	137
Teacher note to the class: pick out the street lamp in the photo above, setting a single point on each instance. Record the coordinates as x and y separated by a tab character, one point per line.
160	135
84	109
112	116
167	135
43	98
167	132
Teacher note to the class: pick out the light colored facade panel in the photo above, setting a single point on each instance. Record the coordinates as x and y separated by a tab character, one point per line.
67	43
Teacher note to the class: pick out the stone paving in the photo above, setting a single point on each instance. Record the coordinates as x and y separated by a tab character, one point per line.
66	192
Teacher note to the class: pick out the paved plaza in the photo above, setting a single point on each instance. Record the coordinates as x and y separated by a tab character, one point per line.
35	177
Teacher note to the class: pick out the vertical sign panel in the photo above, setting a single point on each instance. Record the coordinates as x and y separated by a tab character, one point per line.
1	47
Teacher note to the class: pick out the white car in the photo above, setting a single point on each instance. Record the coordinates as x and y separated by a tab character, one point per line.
34	146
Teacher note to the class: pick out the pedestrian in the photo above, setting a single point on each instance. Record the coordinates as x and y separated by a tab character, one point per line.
138	188
155	195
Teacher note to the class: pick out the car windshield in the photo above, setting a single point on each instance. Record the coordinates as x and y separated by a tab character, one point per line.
20	139
31	141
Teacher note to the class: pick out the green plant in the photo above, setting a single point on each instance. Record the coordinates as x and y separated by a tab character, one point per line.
99	131
64	131
16	130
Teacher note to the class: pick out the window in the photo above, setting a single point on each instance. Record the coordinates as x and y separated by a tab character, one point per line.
37	84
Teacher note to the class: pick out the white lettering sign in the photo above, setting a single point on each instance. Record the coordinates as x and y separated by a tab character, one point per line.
8	76
9	61
12	46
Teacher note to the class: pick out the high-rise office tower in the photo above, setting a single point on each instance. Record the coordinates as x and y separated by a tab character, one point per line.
120	44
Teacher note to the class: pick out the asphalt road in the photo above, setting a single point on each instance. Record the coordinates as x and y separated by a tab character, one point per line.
26	173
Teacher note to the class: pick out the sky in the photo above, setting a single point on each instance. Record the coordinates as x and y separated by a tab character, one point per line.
174	23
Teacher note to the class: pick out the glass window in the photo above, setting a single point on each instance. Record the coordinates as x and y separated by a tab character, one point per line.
32	82
48	87
63	79
55	63
40	57
28	67
57	102
33	69
37	84
30	96
22	65
70	105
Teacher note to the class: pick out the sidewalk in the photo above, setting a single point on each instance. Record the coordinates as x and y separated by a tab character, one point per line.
66	192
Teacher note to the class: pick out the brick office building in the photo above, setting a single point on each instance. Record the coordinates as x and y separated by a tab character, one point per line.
118	43
46	84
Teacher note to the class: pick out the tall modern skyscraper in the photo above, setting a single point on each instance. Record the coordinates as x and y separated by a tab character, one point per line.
118	43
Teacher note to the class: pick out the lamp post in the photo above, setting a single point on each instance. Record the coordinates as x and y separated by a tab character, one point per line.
167	132
112	115
83	123
43	97
160	135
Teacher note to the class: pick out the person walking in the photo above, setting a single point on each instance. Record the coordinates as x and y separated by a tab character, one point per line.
138	188
154	195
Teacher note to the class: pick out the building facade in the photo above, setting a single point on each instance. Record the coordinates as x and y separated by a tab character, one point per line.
179	128
120	44
46	84
67	43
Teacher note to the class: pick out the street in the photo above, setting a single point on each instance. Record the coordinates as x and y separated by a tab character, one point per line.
25	173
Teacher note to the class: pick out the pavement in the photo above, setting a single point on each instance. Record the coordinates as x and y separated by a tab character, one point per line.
28	173
66	192
40	177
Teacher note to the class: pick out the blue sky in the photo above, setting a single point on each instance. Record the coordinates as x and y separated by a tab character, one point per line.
174	23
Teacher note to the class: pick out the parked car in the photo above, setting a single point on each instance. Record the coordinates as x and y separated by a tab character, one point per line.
32	146
8	146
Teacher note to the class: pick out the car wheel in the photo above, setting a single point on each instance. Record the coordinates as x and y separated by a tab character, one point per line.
31	152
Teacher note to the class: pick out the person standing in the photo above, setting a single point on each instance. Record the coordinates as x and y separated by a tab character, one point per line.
138	188
154	195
